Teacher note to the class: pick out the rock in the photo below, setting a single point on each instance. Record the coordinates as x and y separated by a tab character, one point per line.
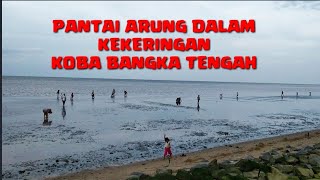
307	166
281	160
314	160
163	176
199	166
218	173
140	175
133	177
274	152
303	159
265	168
22	171
291	159
233	171
316	146
316	169
305	151
249	157
278	158
267	157
304	172
293	178
137	173
316	151
262	176
226	164
284	168
214	164
247	165
200	170
252	174
183	175
228	177
276	175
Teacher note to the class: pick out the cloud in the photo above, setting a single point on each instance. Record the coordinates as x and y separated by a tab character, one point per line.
286	34
24	51
307	5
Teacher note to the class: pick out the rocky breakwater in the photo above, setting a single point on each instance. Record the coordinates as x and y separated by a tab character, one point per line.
288	163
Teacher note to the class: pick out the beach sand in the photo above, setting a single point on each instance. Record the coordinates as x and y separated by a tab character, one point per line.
229	152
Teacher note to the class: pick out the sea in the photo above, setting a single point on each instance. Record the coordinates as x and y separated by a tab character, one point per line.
90	134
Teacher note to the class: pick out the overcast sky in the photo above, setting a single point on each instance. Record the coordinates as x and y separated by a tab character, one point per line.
286	42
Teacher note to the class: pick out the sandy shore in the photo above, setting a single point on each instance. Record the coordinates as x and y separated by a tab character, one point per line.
230	152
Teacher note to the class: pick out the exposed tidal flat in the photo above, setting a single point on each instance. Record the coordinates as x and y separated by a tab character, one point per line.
287	157
113	132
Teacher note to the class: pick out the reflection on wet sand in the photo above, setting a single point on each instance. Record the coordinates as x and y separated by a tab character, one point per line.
64	113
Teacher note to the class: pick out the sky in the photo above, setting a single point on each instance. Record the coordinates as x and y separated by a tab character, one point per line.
286	41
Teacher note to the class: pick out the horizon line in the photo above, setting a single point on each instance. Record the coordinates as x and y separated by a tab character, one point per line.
158	80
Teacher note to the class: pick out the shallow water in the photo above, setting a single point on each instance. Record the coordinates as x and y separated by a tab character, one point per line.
117	131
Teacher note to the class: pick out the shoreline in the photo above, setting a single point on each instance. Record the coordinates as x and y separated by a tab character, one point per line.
162	80
228	152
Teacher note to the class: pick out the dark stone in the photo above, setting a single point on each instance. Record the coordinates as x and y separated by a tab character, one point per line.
133	177
316	169
291	159
305	151
140	175
303	159
267	157
304	172
276	175
214	164
284	168
225	164
316	146
265	168
183	175
247	165
163	177
22	171
218	173
314	160
200	170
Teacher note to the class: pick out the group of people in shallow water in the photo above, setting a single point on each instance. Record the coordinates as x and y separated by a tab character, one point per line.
297	94
178	100
64	98
167	147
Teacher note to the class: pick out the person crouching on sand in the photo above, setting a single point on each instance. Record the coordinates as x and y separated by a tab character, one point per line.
113	94
167	148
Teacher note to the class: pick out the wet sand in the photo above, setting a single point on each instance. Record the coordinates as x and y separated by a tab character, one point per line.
229	152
